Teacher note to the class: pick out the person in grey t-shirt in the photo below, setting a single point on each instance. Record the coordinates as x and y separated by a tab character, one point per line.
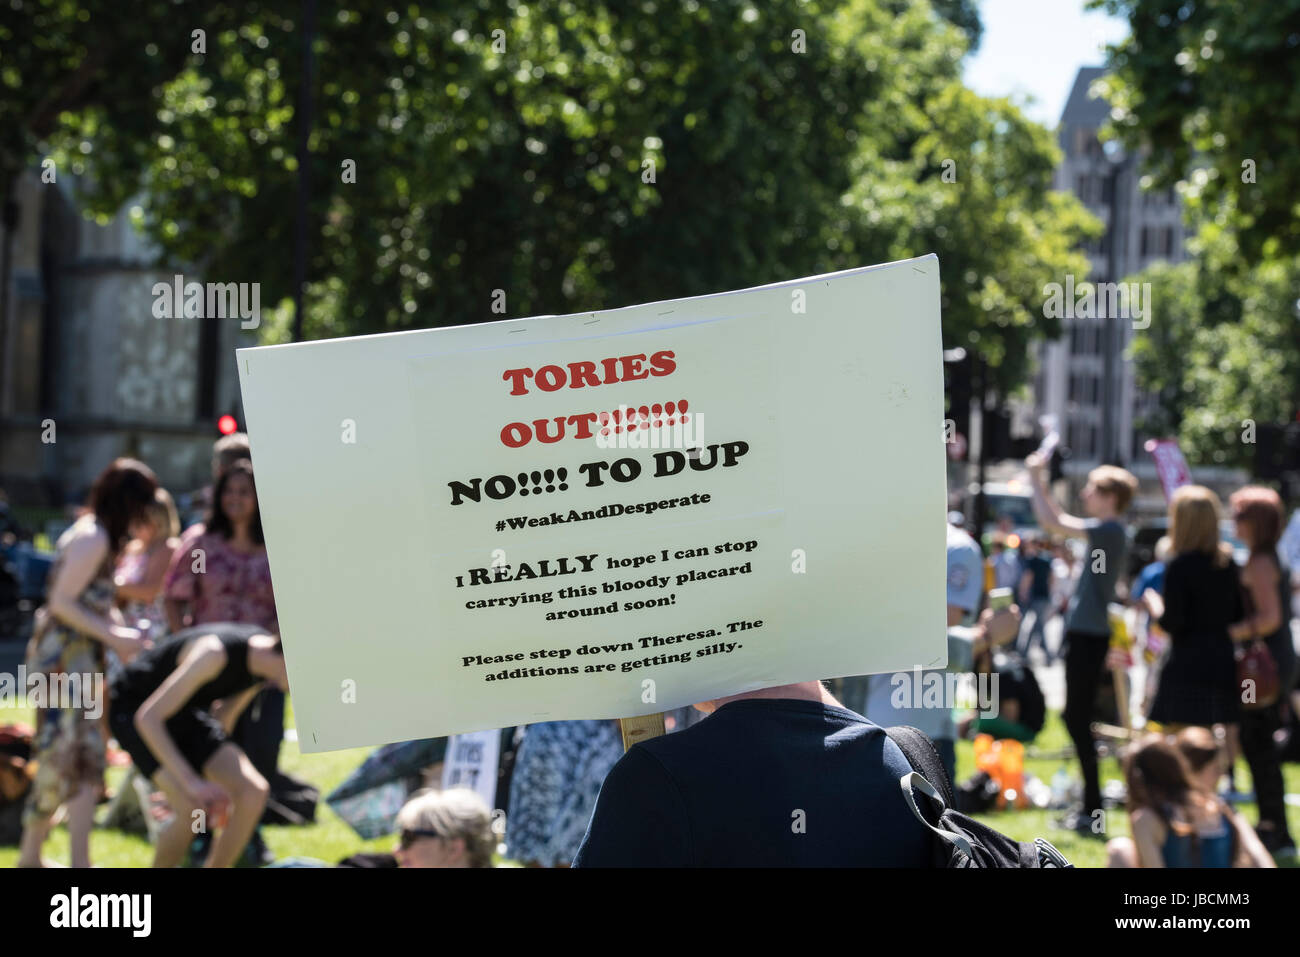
1087	627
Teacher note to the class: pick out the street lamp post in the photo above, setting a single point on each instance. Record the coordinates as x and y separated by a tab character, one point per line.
302	199
1109	453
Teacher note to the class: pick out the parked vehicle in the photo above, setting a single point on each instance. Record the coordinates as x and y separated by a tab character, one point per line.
1006	504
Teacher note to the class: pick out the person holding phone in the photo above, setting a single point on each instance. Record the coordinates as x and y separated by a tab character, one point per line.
174	708
1106	498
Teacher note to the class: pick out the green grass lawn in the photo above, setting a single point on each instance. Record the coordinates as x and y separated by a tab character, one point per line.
1087	851
330	839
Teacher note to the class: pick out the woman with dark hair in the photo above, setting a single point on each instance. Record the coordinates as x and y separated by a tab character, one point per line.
220	574
73	630
220	571
1176	818
1267	588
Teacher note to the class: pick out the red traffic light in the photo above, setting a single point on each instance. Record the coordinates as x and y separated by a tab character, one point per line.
227	424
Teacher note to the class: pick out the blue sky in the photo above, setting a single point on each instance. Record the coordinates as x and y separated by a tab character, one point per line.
1033	48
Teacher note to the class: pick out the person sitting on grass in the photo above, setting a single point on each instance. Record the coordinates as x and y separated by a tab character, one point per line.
450	828
173	709
1176	818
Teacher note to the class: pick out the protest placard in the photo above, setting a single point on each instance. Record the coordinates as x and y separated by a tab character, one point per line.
472	761
467	530
1171	466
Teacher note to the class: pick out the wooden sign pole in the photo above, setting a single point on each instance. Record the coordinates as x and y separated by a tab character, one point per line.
1121	697
641	728
1103	730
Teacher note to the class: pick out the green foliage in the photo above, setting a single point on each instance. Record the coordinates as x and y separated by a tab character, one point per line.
1208	91
1207	86
67	59
1000	233
964	15
502	146
1221	350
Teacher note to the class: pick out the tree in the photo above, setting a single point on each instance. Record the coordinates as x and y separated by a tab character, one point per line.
1207	92
85	59
1208	88
975	188
1221	354
585	158
594	155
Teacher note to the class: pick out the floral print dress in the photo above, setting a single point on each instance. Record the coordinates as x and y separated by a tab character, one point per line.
557	777
69	749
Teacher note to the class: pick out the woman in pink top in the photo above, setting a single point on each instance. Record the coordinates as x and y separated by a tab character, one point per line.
220	573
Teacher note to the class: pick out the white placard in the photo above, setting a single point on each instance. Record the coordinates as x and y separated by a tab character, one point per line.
471	762
453	548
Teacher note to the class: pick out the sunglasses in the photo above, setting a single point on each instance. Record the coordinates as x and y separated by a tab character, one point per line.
410	837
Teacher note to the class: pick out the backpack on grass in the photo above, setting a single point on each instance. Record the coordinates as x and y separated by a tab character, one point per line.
958	840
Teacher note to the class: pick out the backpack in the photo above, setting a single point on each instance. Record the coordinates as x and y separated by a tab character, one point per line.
958	840
1016	680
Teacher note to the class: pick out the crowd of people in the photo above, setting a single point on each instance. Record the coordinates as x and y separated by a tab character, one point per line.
183	622
1216	638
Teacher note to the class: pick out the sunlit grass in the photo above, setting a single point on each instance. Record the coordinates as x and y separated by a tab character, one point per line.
329	839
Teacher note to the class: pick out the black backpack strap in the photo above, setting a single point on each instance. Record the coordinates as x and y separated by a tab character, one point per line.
924	758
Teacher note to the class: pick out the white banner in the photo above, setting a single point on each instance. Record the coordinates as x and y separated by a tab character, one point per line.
471	762
467	530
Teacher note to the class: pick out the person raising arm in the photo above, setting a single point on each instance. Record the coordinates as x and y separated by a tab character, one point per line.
1047	510
1105	497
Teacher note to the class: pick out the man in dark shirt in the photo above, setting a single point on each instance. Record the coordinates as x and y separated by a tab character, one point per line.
779	777
1036	597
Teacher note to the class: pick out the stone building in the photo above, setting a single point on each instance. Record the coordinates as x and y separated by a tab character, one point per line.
88	372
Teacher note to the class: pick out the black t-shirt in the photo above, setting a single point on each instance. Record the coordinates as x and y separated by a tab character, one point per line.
1041	568
761	782
148	670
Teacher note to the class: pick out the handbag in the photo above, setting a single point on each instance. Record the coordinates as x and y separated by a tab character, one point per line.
1256	668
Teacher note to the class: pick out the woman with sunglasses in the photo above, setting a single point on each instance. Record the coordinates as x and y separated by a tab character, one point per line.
445	829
